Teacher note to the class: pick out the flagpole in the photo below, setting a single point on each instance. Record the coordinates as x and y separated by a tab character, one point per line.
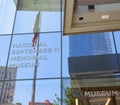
34	76
35	70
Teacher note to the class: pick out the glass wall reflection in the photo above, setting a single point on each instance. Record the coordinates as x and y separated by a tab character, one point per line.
35	70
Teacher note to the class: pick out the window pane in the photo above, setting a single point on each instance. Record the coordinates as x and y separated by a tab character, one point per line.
23	92
47	90
7	92
22	56
49	55
24	22
65	53
7	11
15	92
117	41
4	47
86	45
49	19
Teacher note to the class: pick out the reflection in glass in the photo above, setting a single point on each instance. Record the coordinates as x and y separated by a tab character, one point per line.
23	92
7	92
117	42
49	20
89	92
90	44
49	55
65	53
24	20
48	90
22	56
4	49
18	84
7	11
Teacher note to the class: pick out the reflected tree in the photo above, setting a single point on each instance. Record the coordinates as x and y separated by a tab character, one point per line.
70	97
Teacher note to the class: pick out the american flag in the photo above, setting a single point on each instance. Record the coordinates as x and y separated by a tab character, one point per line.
36	30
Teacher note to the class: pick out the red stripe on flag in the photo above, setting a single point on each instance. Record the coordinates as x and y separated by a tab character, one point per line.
34	39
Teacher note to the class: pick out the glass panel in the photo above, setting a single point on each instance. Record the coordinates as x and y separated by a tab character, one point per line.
7	92
116	37
87	45
4	47
48	90
13	92
49	55
87	91
9	73
7	11
117	40
22	56
24	21
49	16
50	21
23	92
65	53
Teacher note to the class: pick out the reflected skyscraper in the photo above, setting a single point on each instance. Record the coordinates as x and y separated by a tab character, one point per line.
89	44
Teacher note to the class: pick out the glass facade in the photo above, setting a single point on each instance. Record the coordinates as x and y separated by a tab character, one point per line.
39	74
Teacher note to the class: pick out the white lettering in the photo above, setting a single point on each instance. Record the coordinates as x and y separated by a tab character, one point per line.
100	93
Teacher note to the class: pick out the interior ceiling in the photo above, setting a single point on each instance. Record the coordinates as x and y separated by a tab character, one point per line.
39	5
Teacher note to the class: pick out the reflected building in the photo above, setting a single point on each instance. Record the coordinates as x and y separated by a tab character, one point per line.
85	50
47	102
9	87
93	50
89	44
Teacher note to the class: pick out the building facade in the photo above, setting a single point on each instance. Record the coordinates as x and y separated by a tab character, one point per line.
7	88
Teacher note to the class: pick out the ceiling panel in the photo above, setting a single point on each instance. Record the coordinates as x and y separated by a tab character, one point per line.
39	5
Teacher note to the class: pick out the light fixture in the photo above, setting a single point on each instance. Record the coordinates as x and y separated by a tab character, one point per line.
76	101
108	101
83	16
